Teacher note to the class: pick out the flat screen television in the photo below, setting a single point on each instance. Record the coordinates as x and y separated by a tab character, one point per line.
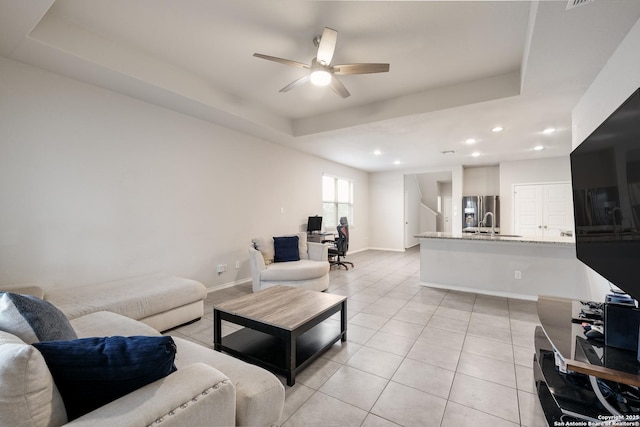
605	175
314	224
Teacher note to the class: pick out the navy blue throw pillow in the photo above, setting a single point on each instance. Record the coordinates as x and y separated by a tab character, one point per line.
286	249
91	372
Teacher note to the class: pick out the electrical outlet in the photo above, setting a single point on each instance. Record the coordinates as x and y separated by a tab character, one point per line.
518	275
237	264
221	268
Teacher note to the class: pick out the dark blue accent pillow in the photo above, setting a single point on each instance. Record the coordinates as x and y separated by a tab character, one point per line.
91	372
286	249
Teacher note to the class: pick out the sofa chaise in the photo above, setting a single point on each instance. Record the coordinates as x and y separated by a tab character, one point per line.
158	300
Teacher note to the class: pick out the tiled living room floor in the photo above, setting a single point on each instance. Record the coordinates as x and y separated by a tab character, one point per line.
415	356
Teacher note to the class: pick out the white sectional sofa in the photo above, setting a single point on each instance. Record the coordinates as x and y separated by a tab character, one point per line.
209	388
259	395
310	272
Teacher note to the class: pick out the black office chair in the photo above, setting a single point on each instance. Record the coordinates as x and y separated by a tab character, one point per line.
341	247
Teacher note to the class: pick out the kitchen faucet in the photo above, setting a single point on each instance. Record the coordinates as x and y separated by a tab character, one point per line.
615	222
493	223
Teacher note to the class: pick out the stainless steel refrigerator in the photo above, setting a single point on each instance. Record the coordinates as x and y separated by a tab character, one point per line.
474	209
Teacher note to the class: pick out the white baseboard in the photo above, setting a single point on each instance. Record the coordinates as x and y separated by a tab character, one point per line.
481	291
356	251
242	281
228	285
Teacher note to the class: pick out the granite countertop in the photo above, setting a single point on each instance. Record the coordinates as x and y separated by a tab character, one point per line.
563	241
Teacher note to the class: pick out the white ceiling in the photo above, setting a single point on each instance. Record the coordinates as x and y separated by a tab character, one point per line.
458	68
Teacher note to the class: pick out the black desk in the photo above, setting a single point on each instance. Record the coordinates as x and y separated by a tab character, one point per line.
319	237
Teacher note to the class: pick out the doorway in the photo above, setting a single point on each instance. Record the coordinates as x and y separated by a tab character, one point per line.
446	213
428	204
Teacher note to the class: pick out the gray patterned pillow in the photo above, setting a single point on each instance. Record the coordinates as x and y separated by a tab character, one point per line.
32	319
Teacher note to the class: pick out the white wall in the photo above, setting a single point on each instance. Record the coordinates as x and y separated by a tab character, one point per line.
99	186
456	199
428	220
386	194
617	80
386	207
444	189
553	169
481	181
430	185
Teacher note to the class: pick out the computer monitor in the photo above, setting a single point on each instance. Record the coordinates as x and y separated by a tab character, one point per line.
314	224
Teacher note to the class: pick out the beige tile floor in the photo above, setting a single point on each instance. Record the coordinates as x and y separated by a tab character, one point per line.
415	356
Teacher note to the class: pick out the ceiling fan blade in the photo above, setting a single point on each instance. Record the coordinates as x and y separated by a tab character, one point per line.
339	88
302	80
327	46
360	68
282	61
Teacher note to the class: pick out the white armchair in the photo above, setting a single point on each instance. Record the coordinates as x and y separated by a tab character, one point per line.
310	272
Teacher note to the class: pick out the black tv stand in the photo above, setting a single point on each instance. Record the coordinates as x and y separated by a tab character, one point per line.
578	379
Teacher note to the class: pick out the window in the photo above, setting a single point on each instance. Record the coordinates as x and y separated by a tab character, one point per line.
337	200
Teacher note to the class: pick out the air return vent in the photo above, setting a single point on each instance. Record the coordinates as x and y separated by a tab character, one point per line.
575	3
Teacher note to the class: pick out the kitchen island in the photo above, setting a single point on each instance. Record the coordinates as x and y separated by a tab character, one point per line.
515	267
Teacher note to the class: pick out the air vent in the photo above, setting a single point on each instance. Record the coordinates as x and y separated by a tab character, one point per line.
575	3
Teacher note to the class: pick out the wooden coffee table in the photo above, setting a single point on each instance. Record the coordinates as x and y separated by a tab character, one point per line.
284	328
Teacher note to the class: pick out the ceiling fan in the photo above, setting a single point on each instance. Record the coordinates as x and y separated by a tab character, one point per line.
321	72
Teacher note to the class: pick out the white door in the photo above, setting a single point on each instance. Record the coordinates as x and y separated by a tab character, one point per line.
528	210
411	215
558	209
446	213
407	227
542	210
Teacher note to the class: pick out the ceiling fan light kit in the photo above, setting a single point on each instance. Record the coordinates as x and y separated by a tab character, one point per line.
320	78
321	72
320	75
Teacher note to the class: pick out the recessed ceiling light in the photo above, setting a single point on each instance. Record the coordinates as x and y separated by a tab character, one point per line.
377	152
497	129
397	162
475	154
548	131
446	152
470	141
538	147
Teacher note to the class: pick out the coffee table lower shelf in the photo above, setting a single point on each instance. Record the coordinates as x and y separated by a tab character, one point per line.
266	350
